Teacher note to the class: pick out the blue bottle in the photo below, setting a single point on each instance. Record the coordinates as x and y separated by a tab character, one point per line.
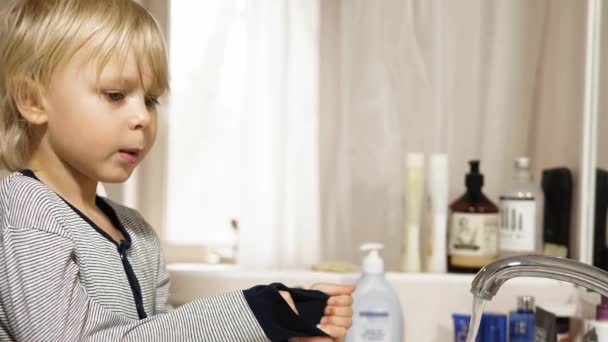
377	312
493	328
521	322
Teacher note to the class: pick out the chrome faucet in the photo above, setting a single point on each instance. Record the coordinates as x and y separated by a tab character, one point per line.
491	277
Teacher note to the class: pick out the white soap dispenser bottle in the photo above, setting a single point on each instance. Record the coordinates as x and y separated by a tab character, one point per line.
377	312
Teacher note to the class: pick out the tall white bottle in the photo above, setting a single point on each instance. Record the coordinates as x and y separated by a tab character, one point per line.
521	210
436	249
412	218
377	314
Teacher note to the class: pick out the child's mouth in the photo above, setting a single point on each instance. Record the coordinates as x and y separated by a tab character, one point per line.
129	155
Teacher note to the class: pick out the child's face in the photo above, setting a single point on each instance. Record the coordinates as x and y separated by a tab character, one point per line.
104	130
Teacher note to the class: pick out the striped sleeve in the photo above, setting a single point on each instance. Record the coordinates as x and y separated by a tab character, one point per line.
44	301
162	286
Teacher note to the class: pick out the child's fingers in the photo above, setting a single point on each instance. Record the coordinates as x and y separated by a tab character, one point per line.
344	300
343	311
333	331
334	289
345	322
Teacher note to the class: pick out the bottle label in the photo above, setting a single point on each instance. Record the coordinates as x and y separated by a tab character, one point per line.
555	250
473	234
522	326
518	225
374	325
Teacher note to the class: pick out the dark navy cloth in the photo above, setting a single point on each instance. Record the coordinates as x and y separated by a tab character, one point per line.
276	316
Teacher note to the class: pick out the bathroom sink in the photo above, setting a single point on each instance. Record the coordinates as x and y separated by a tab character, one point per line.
428	300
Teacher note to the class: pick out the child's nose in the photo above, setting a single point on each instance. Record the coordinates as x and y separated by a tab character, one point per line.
141	117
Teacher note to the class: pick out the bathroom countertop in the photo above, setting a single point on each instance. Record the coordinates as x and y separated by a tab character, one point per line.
428	300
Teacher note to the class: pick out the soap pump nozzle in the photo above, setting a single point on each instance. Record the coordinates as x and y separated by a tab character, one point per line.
372	263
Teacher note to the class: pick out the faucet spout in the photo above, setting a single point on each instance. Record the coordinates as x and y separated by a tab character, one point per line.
491	277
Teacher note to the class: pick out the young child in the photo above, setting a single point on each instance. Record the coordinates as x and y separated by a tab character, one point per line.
79	85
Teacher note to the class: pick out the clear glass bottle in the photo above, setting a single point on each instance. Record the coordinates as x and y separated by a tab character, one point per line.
521	212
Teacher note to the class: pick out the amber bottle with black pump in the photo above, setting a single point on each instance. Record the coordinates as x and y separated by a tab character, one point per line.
473	227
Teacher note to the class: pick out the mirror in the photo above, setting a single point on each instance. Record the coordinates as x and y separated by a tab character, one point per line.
600	193
492	80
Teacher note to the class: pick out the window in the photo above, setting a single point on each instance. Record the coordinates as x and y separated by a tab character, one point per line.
243	129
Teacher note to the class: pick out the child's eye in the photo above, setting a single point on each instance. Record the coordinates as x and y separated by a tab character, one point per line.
114	96
151	101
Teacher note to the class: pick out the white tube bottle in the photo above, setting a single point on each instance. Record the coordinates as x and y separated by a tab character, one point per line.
414	197
438	184
377	314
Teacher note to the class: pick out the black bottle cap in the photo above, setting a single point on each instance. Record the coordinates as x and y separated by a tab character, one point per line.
474	180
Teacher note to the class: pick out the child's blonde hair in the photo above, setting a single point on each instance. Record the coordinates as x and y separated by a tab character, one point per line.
37	36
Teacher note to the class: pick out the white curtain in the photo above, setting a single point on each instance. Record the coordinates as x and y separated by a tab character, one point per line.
243	129
475	79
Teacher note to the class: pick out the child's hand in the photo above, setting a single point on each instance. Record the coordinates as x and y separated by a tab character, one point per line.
338	312
287	297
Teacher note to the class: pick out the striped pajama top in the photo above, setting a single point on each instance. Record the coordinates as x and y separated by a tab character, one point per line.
63	279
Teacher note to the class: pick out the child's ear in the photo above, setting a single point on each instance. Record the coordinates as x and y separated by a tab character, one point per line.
27	96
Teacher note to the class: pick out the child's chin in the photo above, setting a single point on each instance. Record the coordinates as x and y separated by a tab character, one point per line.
119	176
